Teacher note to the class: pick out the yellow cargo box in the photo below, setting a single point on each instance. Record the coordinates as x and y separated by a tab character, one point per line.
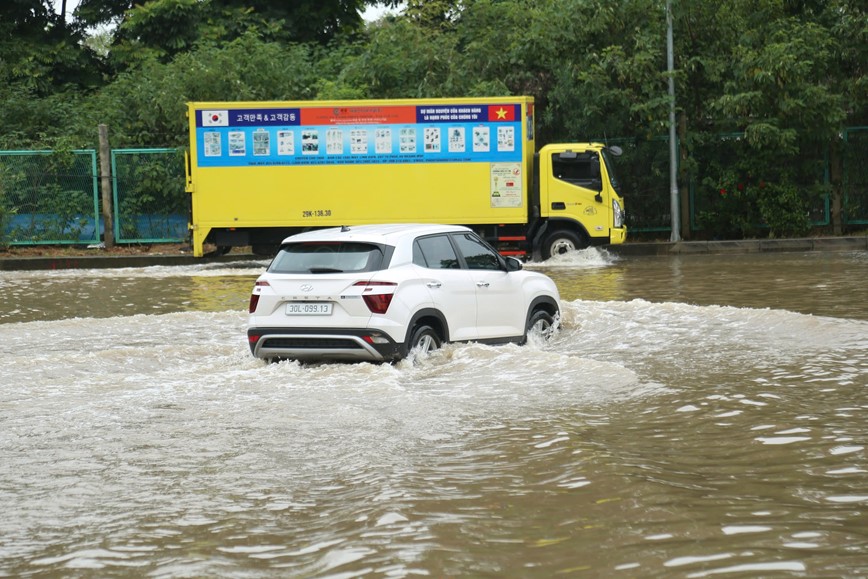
259	171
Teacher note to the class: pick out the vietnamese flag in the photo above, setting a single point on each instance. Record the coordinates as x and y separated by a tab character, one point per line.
502	112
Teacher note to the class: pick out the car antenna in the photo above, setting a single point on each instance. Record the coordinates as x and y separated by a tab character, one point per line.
345	228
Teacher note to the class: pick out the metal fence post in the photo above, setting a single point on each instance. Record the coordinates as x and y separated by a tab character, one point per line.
106	186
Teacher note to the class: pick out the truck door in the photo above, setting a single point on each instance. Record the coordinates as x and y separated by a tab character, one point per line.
576	191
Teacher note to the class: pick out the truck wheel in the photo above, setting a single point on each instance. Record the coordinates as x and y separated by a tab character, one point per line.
562	241
540	324
424	340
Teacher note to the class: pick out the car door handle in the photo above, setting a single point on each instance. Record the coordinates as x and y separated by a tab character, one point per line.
434	284
482	284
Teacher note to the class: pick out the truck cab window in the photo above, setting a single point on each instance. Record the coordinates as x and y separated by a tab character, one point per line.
582	169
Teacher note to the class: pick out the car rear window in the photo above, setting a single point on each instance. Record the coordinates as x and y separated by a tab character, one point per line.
327	257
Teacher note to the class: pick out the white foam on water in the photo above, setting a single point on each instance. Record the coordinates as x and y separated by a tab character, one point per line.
591	257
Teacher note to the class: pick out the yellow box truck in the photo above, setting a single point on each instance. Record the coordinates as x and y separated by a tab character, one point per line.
260	171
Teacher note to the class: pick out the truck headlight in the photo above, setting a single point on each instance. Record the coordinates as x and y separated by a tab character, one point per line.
618	213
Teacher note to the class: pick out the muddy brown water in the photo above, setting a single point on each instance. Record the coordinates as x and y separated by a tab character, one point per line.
697	416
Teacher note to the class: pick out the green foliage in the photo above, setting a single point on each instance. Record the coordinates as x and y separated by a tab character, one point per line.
171	26
40	53
748	191
164	27
785	76
147	106
780	85
732	211
784	210
401	59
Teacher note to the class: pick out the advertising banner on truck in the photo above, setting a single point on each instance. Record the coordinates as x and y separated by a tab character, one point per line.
366	134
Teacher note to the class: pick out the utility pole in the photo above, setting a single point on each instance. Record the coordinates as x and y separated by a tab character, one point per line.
674	206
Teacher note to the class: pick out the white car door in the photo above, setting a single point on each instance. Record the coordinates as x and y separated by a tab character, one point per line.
452	289
500	308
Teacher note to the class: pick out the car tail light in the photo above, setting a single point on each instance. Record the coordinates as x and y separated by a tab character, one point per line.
254	301
254	297
377	303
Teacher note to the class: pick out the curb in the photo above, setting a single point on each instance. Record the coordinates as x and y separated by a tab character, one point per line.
112	261
742	246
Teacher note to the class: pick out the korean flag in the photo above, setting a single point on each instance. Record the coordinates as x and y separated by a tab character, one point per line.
215	118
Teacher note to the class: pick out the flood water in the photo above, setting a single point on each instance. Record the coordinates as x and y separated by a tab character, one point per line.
698	416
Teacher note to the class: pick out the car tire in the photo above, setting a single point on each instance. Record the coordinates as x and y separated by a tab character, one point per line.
424	340
542	324
562	241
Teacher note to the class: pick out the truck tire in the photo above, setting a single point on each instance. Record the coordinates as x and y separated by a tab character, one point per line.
562	241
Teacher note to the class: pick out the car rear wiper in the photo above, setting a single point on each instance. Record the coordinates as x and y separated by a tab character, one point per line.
325	270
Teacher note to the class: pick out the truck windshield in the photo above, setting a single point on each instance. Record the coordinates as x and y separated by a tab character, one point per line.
610	169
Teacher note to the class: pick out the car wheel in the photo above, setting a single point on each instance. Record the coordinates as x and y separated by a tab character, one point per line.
562	241
424	340
541	325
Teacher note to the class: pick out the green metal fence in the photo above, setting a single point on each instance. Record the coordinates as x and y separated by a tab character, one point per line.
725	178
49	197
855	178
643	168
728	180
150	204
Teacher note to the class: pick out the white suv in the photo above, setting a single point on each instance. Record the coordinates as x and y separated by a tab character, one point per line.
376	292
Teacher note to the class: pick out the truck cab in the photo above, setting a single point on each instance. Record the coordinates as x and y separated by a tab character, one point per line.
579	199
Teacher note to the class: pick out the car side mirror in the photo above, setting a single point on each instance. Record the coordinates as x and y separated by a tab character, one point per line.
513	264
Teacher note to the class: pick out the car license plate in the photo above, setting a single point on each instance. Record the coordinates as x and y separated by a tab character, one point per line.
309	309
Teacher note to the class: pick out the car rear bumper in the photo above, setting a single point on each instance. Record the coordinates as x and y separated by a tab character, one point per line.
322	344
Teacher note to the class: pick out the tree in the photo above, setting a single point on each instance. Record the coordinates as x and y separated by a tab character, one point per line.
147	106
44	70
39	52
223	20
